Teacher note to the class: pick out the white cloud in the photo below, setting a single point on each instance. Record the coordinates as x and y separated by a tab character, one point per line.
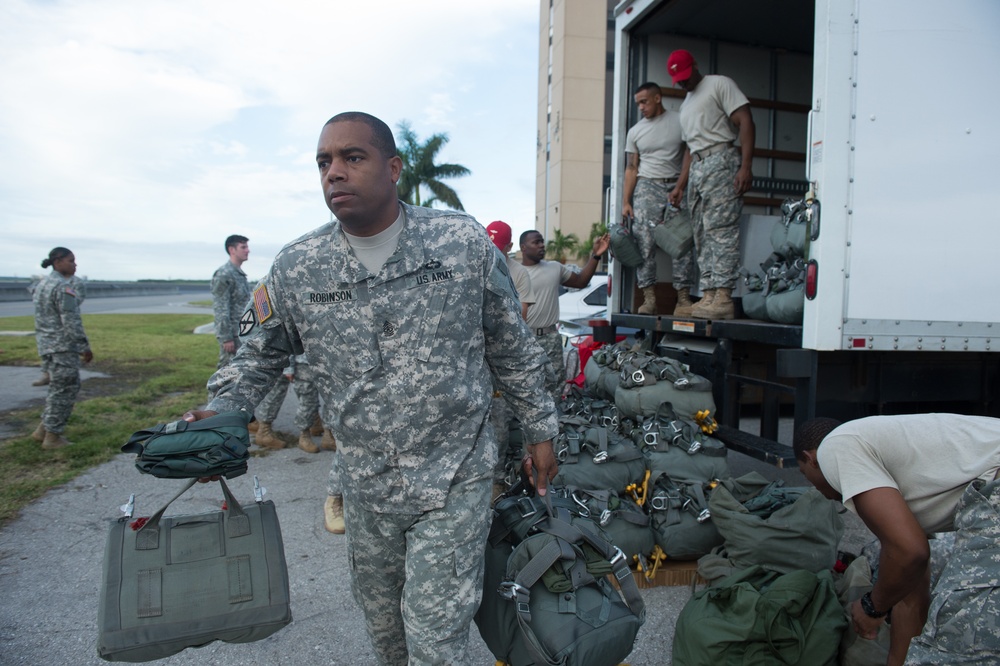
129	128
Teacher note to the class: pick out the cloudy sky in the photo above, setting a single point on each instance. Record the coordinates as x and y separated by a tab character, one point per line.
141	134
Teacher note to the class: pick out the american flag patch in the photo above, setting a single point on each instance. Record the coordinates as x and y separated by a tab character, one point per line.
262	304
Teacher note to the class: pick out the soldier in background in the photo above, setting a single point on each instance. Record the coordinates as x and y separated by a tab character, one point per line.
405	313
713	115
230	293
62	344
654	153
80	287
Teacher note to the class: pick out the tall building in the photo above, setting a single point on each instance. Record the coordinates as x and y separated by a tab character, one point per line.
575	76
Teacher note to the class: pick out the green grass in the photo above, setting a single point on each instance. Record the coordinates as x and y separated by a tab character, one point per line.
158	369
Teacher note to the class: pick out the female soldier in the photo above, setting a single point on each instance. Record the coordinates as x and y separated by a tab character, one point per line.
61	344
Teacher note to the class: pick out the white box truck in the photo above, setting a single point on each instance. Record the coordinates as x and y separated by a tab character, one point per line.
884	111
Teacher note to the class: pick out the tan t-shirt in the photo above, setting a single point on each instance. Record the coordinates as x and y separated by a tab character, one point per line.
705	112
928	458
546	276
522	282
658	143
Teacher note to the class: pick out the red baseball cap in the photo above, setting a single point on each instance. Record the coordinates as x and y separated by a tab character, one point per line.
499	233
679	65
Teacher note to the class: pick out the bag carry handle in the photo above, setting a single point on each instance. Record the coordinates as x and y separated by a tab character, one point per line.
237	523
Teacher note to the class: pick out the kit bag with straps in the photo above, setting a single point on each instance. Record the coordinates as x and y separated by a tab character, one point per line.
595	457
185	581
754	298
621	518
681	519
675	235
779	528
217	445
647	381
624	246
548	599
758	617
680	448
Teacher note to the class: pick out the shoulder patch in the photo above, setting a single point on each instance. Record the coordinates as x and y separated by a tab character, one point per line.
247	322
262	304
70	291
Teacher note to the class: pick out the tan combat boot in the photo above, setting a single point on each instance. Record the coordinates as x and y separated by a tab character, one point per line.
42	381
253	425
648	306
316	429
721	307
328	443
267	438
39	434
333	515
306	442
54	440
684	303
699	309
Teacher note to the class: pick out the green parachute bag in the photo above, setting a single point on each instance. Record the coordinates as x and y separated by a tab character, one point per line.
548	597
595	457
217	445
758	617
675	235
624	246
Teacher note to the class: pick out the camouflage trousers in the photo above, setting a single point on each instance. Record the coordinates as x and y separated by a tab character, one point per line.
715	213
64	385
308	394
269	407
649	203
552	343
963	622
418	578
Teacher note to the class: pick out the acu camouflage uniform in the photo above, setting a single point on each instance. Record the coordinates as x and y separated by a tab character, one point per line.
715	212
230	293
80	287
963	621
403	359
60	338
649	203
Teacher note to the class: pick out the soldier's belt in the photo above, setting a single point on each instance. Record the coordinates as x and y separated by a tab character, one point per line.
711	150
544	331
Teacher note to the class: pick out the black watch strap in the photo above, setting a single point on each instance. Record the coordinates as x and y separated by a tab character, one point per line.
869	608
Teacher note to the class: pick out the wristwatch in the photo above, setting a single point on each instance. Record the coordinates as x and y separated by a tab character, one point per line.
596	257
869	608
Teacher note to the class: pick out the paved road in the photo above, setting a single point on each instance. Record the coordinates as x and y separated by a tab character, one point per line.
50	563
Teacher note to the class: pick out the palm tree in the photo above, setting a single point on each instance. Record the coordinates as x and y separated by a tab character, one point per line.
420	171
586	248
560	245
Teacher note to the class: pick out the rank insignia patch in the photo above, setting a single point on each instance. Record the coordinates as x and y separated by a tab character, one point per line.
262	303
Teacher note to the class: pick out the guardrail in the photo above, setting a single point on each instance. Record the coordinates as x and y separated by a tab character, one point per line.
20	290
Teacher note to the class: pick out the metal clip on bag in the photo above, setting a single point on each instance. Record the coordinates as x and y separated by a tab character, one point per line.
218	445
185	581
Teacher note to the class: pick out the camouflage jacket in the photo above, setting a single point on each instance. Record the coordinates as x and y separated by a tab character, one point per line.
403	359
230	293
58	327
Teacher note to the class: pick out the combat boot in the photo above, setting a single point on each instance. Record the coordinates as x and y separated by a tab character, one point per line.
39	434
648	306
316	429
722	306
42	381
333	515
698	311
267	438
328	443
253	425
684	303
306	442
54	440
